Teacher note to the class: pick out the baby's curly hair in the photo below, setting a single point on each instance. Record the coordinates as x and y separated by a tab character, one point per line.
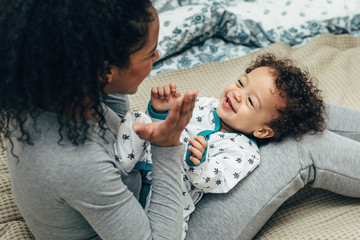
304	109
53	54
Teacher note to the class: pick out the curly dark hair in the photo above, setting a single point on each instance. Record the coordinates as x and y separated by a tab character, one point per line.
54	53
304	109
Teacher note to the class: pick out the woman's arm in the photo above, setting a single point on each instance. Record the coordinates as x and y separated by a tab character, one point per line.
165	209
106	197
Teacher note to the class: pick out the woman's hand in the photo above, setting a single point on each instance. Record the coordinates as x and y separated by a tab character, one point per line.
163	97
167	133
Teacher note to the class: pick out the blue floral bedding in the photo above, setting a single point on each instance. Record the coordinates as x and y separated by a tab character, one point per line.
193	32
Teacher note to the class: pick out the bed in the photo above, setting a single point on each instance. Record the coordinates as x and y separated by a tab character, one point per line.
334	60
203	44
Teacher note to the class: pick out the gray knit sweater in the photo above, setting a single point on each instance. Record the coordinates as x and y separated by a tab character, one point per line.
80	192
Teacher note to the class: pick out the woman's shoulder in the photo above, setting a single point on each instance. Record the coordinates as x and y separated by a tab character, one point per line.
56	160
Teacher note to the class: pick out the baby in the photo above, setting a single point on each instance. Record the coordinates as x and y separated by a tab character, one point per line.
272	100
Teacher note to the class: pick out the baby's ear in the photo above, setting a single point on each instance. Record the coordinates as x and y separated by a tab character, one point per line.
265	132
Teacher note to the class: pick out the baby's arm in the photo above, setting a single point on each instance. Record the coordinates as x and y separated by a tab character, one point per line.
128	147
223	169
163	97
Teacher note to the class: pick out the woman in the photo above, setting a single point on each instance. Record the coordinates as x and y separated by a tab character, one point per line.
59	58
59	61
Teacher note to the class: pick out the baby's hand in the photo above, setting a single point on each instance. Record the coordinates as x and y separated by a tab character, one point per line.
197	148
168	132
163	97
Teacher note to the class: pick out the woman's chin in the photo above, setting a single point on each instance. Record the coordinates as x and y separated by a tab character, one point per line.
133	91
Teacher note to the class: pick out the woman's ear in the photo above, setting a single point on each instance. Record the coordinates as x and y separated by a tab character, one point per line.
108	71
265	132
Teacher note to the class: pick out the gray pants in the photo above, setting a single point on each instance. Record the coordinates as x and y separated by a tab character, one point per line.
329	161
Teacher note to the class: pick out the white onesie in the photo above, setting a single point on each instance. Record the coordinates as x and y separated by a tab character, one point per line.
229	157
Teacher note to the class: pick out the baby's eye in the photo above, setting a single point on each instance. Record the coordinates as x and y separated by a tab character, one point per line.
250	101
240	83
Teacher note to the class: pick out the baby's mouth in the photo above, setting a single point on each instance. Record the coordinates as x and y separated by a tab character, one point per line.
229	104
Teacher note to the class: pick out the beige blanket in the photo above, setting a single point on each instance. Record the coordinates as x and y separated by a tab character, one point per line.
309	214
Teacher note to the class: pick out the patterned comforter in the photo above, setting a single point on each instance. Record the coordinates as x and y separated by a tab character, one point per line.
193	32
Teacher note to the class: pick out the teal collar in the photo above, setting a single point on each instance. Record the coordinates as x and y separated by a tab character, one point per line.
218	125
206	134
217	121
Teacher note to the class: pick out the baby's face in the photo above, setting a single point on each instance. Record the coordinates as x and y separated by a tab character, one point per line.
250	103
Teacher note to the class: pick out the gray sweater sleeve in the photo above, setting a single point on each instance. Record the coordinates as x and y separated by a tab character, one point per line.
165	209
115	213
164	216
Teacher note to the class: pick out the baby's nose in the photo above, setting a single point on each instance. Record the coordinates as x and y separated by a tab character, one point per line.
237	95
